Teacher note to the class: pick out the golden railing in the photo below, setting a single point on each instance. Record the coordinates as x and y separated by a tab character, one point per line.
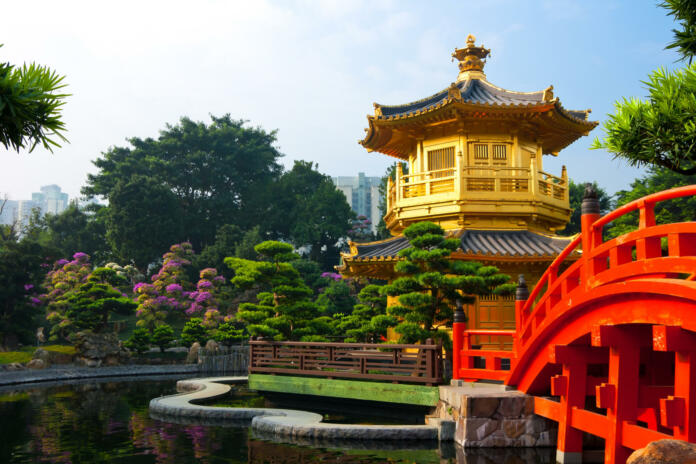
493	179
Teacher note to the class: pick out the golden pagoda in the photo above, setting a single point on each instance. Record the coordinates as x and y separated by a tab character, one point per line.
475	166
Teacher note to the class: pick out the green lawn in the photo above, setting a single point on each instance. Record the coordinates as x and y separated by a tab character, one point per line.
25	354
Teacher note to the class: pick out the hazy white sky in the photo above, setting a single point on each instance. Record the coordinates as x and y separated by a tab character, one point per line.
311	69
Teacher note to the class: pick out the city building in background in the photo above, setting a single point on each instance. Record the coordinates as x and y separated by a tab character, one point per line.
362	193
50	200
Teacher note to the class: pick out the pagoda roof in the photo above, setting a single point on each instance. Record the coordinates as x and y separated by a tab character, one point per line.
474	100
475	243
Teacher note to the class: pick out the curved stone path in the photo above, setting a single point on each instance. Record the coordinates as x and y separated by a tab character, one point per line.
283	423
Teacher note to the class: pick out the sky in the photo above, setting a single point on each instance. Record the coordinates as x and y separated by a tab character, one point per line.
312	69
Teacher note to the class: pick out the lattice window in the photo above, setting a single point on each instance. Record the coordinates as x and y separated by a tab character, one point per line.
481	151
499	152
441	158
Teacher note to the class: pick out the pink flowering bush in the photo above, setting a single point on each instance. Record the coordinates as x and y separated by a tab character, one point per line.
166	296
206	298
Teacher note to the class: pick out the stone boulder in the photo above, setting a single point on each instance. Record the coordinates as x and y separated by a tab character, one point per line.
37	363
41	355
212	346
93	350
665	452
192	357
14	367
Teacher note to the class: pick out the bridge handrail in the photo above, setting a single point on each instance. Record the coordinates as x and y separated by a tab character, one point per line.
551	279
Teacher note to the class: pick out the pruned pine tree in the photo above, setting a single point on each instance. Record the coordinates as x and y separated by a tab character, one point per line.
430	284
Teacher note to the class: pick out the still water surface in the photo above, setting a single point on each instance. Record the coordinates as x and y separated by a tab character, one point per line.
109	422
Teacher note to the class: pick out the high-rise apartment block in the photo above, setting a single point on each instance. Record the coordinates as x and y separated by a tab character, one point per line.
362	193
50	200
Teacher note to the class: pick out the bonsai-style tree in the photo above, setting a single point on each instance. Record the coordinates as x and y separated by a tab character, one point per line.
162	337
89	306
194	331
229	333
431	283
369	321
139	340
285	310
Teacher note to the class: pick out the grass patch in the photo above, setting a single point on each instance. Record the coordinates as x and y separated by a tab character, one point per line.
8	357
26	353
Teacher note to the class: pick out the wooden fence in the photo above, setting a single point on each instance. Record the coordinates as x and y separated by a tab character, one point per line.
365	361
224	360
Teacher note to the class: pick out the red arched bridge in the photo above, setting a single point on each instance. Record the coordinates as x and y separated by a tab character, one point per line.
608	346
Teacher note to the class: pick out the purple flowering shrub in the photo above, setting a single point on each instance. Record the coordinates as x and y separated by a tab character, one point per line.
166	296
206	298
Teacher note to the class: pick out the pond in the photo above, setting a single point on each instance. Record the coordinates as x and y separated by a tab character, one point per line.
109	422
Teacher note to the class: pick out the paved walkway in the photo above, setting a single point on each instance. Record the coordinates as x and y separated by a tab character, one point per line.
284	423
68	373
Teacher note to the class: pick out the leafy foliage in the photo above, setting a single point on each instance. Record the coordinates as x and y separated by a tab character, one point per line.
30	107
431	283
194	331
368	322
139	340
79	229
310	210
215	172
336	298
683	11
22	271
89	305
285	311
657	179
230	333
659	131
162	337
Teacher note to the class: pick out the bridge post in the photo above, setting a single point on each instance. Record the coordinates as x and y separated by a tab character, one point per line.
590	239
521	297
571	387
458	328
619	395
679	410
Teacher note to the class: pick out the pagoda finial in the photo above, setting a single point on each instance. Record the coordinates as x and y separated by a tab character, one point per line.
471	59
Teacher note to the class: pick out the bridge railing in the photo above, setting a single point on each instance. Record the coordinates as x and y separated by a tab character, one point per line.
365	361
597	264
600	260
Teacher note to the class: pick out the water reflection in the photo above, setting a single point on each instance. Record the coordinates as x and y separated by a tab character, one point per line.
109	422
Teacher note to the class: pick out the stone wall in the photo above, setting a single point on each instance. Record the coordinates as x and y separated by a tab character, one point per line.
489	416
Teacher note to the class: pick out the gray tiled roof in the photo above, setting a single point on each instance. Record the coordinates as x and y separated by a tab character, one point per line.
473	91
479	242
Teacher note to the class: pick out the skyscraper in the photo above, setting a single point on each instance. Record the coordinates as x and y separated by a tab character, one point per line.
362	193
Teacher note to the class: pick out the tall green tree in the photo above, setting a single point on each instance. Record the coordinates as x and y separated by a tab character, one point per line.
431	283
21	274
217	173
657	179
575	194
310	210
369	321
143	215
660	130
30	107
79	229
285	311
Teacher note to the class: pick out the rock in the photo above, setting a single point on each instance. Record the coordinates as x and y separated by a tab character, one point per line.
513	428
212	346
41	355
478	429
665	452
192	356
512	406
482	406
14	367
37	364
93	349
